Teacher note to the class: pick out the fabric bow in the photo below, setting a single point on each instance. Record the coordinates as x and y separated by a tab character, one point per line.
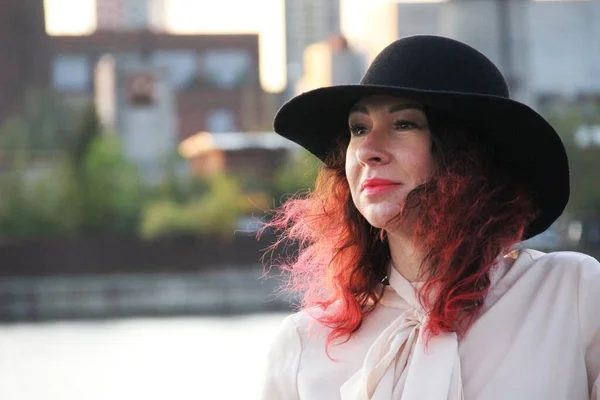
402	364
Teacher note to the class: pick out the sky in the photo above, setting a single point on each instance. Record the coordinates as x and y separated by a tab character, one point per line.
265	17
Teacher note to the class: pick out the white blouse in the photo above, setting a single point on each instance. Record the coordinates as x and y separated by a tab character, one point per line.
538	337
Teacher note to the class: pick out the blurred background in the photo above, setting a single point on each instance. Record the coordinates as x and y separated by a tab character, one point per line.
137	161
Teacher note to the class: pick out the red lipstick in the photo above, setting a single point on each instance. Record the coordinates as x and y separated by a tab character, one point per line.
377	185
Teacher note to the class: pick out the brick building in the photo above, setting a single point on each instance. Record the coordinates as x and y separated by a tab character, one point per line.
200	83
205	82
215	77
24	52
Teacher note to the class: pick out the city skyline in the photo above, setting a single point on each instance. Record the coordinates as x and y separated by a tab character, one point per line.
263	17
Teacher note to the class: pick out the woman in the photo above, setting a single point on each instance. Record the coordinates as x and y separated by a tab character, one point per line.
412	289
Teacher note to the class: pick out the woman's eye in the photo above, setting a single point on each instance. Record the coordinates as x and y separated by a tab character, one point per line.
404	124
357	130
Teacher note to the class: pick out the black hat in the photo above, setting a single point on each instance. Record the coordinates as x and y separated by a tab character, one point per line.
451	77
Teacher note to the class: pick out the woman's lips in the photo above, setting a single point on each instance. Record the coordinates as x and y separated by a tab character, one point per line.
375	186
377	189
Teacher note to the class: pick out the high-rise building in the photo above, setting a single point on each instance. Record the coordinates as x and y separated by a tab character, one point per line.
369	25
24	52
130	14
545	49
332	62
307	22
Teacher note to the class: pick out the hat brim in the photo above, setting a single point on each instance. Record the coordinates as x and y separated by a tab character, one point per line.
525	142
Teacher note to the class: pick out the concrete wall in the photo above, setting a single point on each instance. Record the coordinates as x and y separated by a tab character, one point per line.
228	290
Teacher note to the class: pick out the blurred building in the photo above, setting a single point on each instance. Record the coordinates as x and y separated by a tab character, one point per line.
565	48
157	89
239	152
369	25
307	22
331	62
497	28
130	14
546	49
137	100
24	56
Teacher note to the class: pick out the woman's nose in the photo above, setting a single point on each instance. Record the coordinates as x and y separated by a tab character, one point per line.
374	147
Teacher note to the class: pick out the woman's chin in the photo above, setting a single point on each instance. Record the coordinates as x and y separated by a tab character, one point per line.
382	214
383	220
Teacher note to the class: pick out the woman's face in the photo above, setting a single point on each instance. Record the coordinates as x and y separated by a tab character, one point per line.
388	155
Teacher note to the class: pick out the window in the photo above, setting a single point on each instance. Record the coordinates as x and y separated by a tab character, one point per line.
180	66
226	69
220	121
71	73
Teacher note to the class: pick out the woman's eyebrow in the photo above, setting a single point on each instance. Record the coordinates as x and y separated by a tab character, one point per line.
359	108
404	106
393	108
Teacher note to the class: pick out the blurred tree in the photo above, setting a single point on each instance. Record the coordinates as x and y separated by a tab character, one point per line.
177	184
37	203
221	207
34	199
42	130
216	212
584	161
62	176
166	218
297	175
88	130
110	191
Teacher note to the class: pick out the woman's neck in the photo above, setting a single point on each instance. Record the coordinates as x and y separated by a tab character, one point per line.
406	258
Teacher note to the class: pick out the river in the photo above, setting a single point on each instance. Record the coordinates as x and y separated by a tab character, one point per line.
164	358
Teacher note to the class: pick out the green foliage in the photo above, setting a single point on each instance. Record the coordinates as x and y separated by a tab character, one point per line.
86	133
584	162
215	205
215	212
297	175
37	203
36	183
221	206
175	186
103	197
110	190
168	218
63	175
45	126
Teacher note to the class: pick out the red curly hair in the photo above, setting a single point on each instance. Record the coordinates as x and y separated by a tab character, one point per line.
469	212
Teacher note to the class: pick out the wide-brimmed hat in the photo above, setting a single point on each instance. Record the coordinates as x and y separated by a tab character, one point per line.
453	78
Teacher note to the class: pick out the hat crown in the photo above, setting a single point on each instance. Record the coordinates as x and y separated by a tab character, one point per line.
436	63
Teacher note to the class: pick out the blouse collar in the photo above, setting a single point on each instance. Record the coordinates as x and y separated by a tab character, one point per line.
402	362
